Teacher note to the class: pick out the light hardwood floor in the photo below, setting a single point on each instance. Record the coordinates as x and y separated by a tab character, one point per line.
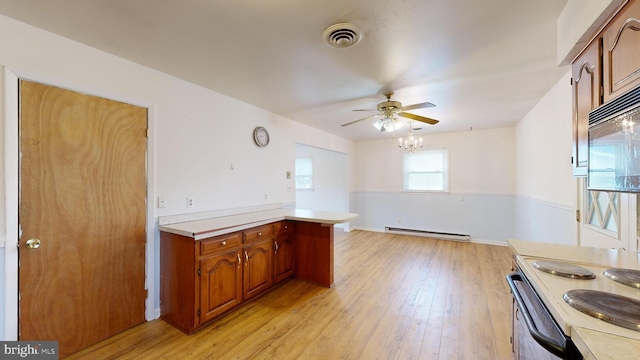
395	297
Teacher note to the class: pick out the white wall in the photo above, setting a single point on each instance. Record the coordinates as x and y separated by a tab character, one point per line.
547	190
331	182
481	186
196	135
330	176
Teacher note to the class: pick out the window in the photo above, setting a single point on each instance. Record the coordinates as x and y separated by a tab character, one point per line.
304	173
426	170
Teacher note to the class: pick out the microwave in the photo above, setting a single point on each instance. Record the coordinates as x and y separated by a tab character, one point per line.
614	144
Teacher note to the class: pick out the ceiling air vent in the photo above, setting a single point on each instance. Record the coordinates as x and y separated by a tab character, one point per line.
341	35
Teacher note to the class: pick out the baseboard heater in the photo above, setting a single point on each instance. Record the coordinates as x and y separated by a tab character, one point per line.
429	234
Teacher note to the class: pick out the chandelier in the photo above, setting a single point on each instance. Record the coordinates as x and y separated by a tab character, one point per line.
410	144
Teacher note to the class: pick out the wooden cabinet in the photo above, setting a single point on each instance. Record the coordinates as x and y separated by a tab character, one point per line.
283	251
258	255
585	78
220	284
201	280
621	51
606	68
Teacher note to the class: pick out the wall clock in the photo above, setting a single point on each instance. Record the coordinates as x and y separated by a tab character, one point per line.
261	136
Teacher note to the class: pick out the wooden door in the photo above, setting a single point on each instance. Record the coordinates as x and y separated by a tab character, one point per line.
220	284
258	271
83	195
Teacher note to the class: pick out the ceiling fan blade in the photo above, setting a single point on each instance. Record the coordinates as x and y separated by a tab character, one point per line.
355	121
418	118
418	106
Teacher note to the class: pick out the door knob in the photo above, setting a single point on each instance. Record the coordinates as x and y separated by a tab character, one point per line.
33	243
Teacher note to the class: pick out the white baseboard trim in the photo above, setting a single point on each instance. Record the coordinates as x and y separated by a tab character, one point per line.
473	240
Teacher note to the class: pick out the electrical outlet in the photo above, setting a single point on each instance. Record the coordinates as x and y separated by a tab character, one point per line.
190	202
162	202
265	196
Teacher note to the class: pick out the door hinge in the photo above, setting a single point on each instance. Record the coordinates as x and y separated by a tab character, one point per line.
572	160
571	81
578	215
147	133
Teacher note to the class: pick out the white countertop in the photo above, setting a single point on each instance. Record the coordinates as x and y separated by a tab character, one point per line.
602	341
201	229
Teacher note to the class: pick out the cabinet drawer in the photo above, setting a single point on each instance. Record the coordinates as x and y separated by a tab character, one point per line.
258	233
220	243
284	227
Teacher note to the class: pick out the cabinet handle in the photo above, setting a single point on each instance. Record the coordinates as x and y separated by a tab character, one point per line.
276	247
259	234
239	260
286	226
246	258
223	243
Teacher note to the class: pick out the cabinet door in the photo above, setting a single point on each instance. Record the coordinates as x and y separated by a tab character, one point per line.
258	270
220	284
283	260
621	47
585	75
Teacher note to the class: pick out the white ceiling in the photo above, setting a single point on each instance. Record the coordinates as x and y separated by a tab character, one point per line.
483	63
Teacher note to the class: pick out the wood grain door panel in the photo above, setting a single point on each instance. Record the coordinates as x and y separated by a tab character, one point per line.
283	257
83	194
258	270
585	97
621	47
220	284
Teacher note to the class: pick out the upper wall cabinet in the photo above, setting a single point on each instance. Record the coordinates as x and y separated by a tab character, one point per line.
585	76
607	67
621	52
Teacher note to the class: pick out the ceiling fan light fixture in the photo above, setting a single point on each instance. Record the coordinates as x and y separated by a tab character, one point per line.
387	124
342	35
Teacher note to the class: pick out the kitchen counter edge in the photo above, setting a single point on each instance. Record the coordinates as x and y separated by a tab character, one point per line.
206	228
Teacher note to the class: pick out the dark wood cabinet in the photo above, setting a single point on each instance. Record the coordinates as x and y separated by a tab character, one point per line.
585	78
283	251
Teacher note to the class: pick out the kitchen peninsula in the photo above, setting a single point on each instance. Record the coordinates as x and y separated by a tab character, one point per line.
210	266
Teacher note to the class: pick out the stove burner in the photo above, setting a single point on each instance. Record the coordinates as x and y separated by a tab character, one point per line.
563	269
615	309
627	277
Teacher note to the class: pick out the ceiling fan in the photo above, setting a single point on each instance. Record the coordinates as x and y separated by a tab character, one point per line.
387	111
